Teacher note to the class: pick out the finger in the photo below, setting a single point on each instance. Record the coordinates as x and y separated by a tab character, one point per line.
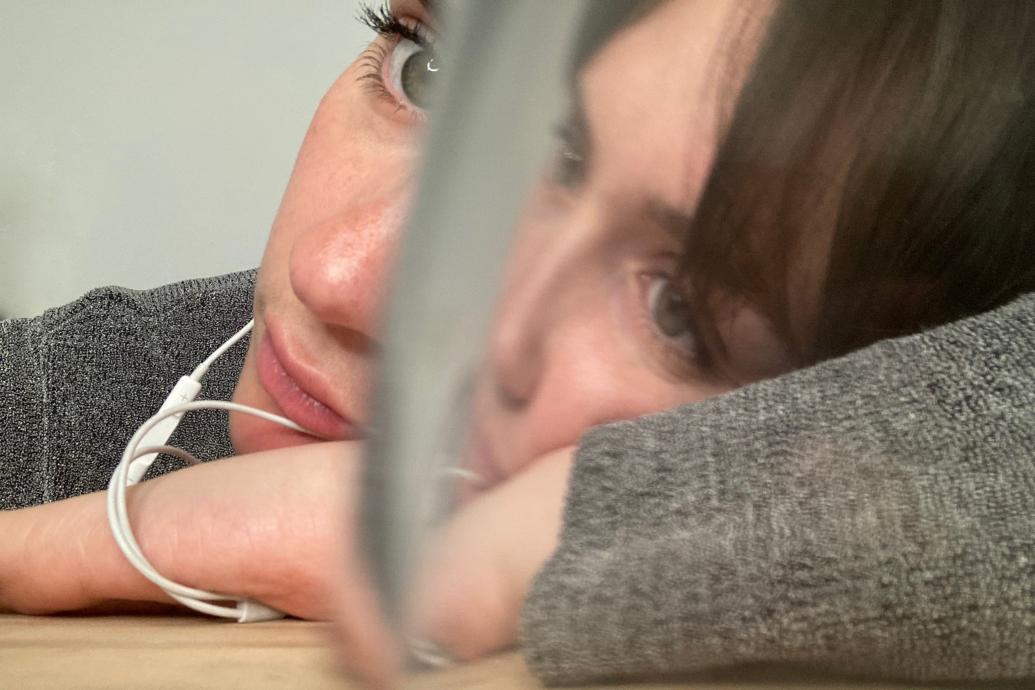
478	569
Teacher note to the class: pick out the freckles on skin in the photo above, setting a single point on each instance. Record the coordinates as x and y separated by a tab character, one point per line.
343	269
352	157
324	268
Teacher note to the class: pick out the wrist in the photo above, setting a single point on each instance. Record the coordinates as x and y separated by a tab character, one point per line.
61	557
12	526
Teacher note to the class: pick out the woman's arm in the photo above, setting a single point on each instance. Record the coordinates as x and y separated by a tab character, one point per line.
60	557
13	527
270	526
873	514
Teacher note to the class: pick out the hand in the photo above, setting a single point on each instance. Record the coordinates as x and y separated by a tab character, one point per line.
279	527
477	571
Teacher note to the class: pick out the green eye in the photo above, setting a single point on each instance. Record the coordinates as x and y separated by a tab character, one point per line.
412	72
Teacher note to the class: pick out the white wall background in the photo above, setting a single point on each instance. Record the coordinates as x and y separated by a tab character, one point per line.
144	141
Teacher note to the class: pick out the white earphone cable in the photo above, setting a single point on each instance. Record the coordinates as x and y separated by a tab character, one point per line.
143	448
141	451
202	369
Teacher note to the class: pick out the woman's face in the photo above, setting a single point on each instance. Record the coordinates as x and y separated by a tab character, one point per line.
590	328
322	277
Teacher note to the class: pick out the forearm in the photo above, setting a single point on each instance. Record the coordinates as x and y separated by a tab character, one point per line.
870	515
266	526
61	556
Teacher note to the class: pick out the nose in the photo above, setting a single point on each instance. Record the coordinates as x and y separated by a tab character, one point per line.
530	307
339	268
515	349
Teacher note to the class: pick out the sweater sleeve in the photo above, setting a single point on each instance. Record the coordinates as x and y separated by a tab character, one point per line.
77	381
871	515
23	474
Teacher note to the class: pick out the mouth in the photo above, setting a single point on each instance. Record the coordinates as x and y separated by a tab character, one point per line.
295	392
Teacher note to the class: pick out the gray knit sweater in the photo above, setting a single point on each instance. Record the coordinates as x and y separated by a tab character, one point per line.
76	382
874	514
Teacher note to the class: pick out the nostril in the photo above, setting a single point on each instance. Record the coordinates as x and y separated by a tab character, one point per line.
514	380
523	330
354	341
509	397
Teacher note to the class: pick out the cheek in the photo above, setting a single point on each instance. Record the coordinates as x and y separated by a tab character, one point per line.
351	182
592	376
338	223
607	385
352	164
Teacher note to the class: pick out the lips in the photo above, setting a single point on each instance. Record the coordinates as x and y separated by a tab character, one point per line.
291	390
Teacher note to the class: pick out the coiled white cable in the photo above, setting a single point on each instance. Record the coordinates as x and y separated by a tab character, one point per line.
145	445
143	448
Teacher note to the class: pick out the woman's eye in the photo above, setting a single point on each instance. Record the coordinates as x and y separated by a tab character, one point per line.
670	314
569	169
399	68
410	72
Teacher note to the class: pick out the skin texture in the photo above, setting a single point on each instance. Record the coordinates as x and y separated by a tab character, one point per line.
575	344
323	272
206	526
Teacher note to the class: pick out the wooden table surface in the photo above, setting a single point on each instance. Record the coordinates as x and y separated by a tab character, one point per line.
175	652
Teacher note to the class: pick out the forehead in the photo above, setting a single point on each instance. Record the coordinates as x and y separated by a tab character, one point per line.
655	93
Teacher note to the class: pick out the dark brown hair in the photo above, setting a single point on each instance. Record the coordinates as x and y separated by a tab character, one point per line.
878	174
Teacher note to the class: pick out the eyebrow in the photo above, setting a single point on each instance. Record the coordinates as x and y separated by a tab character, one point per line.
674	221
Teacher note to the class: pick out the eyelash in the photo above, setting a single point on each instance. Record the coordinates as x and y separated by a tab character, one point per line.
388	26
673	359
572	162
568	173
